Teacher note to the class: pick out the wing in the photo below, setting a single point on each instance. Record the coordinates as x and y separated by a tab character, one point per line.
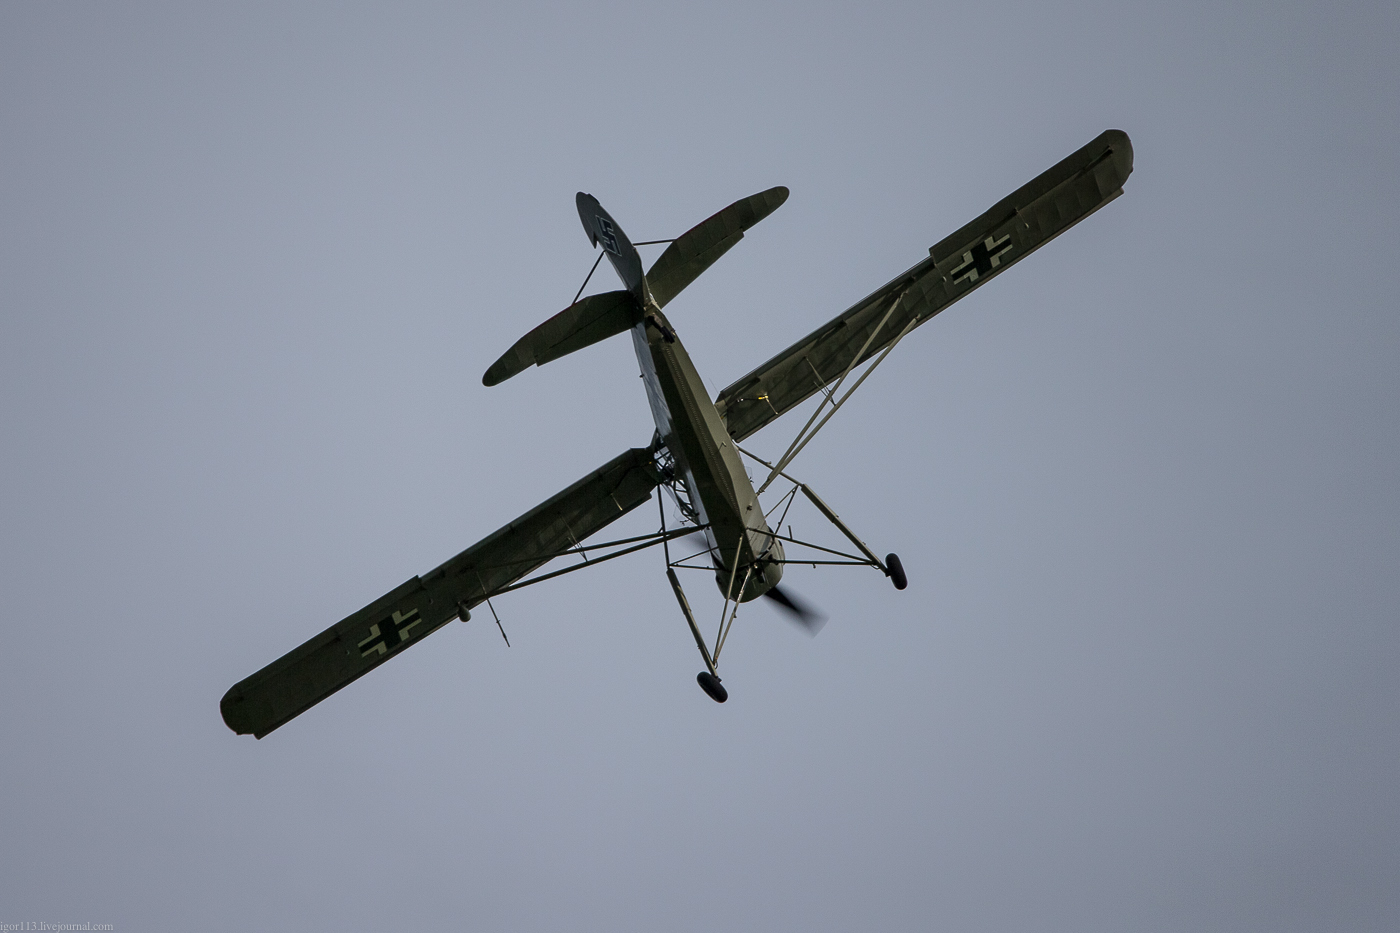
361	642
1014	227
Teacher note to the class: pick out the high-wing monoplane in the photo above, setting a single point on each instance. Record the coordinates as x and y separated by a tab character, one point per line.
694	456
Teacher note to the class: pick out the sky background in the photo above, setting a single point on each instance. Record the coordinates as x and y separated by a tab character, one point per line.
254	259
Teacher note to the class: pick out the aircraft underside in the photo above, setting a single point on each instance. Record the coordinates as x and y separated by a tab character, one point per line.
746	554
696	455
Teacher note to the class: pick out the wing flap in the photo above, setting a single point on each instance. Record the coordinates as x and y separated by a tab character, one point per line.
365	639
1011	229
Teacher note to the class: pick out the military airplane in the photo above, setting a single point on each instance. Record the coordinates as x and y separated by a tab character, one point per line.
695	455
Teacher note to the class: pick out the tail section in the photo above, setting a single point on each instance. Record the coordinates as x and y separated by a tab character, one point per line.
622	254
688	255
599	317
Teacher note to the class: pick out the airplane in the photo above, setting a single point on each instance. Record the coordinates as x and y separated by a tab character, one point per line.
694	456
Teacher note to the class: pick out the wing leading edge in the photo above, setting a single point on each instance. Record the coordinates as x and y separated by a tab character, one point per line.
362	641
1015	226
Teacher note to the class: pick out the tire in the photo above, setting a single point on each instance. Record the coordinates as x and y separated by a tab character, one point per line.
896	571
712	687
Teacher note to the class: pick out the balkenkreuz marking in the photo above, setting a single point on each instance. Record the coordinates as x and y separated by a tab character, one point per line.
389	632
981	259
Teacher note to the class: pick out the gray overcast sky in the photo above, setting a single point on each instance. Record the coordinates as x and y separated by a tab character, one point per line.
254	260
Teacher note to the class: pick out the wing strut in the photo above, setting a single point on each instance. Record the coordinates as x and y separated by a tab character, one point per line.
650	540
806	435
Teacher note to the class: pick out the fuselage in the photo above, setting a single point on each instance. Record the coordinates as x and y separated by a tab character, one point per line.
741	543
746	555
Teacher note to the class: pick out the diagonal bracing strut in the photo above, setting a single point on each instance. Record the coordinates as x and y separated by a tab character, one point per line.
808	431
826	510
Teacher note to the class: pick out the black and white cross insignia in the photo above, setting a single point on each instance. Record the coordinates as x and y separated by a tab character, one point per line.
390	632
981	259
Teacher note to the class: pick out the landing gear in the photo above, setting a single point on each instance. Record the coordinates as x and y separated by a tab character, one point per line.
895	571
712	687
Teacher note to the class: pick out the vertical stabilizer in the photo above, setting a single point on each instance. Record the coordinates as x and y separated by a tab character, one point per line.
601	228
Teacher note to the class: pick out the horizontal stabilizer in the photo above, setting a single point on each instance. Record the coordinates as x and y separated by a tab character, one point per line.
581	324
697	249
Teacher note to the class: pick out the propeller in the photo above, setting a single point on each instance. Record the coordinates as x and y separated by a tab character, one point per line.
804	615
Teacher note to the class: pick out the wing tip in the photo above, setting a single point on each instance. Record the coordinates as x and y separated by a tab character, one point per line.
234	713
511	363
1121	147
497	374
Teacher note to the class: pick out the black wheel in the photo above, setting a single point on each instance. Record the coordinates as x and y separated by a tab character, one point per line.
712	687
896	571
